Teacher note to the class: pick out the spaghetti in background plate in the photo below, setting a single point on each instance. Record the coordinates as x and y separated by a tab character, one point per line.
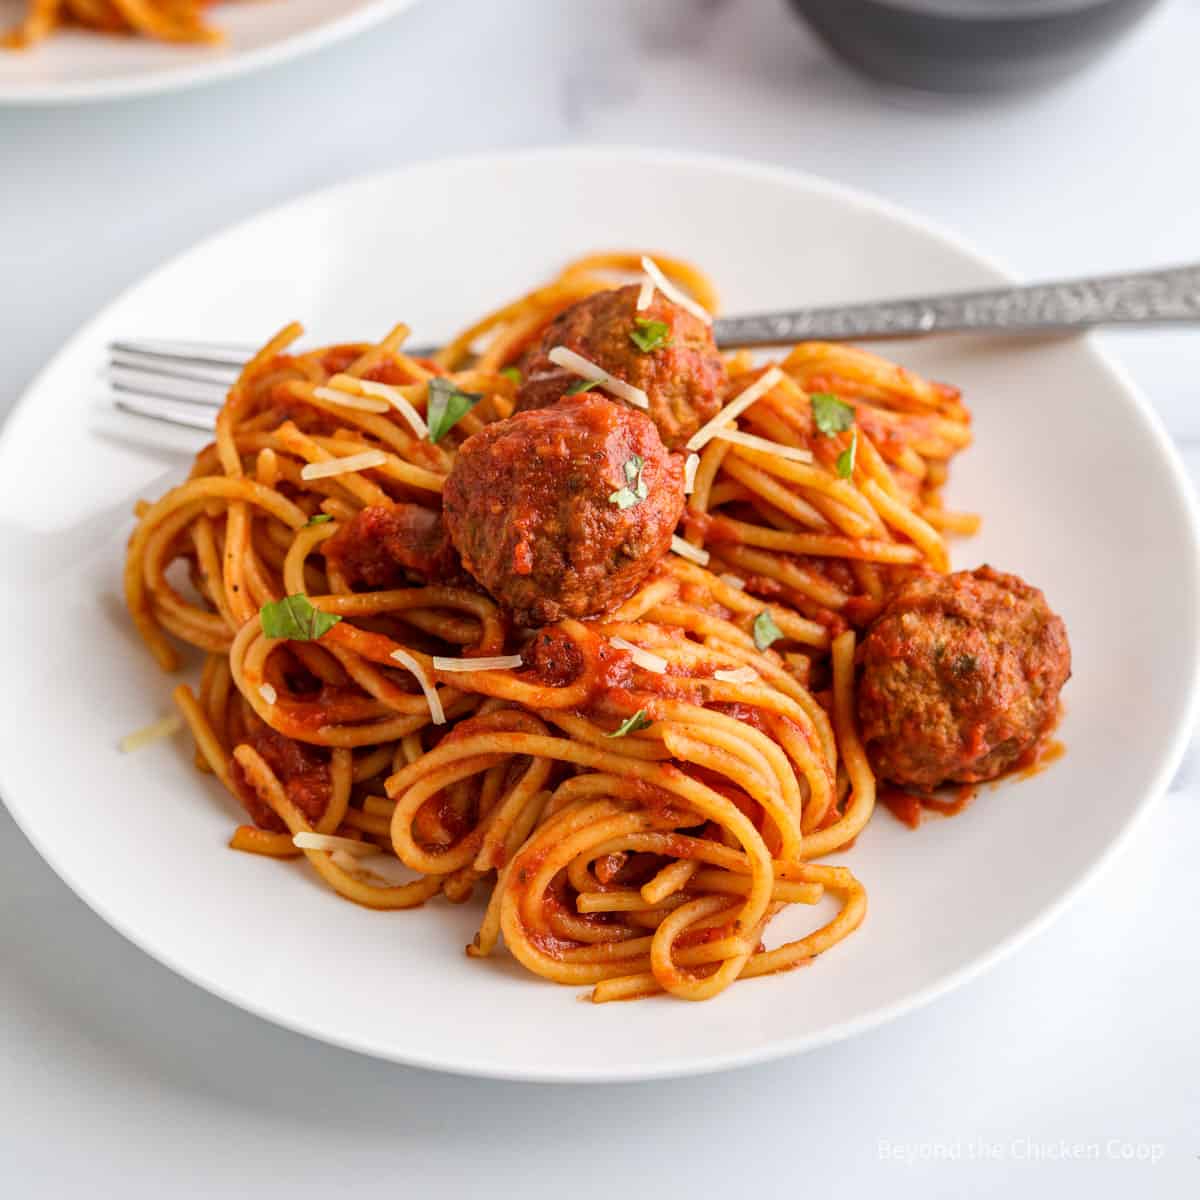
144	841
56	50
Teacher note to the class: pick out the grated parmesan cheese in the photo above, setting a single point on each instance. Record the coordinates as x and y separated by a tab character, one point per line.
687	550
343	466
435	704
643	658
268	693
349	400
330	844
391	396
738	438
350	865
689	473
164	727
500	662
736	406
739	675
673	293
560	356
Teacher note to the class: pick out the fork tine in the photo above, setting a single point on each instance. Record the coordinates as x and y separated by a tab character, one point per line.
194	399
181	382
197	354
167	387
173	412
173	369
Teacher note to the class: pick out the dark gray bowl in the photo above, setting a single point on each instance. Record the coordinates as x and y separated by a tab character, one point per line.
970	45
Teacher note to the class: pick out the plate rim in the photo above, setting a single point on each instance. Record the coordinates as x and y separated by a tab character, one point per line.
692	1065
178	77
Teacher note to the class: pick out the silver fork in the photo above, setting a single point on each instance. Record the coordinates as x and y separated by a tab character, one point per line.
183	383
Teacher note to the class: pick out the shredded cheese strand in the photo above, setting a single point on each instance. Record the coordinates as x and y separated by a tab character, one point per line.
343	466
738	675
499	662
753	442
435	704
673	293
689	473
687	550
350	400
643	658
164	727
734	409
389	395
586	369
329	843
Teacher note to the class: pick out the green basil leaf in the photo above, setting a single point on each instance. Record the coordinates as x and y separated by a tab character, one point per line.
830	414
294	618
447	406
649	335
639	720
319	519
765	630
581	385
513	373
633	474
845	460
635	488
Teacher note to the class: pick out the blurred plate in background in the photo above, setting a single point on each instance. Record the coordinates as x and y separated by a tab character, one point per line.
78	65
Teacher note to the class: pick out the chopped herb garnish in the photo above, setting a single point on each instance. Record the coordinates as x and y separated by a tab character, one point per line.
447	406
830	414
639	720
513	373
765	630
635	486
845	460
319	519
649	335
294	618
581	385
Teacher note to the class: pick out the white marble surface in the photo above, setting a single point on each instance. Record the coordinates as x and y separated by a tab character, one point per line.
118	1078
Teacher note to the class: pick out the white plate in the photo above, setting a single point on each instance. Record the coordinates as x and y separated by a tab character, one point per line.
77	65
1079	486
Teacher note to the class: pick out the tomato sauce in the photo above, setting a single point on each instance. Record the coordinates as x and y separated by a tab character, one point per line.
909	807
1038	759
302	770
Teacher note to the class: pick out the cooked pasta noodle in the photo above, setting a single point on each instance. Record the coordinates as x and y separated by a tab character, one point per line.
164	20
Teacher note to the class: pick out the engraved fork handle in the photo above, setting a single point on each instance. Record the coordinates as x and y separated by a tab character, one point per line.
1163	297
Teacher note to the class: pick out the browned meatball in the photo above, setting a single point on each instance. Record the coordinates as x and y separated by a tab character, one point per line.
563	511
389	545
960	678
683	377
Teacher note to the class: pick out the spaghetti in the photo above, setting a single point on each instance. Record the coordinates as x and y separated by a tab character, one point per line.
637	793
164	20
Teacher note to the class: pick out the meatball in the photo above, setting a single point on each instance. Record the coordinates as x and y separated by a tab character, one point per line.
563	511
390	545
960	678
683	377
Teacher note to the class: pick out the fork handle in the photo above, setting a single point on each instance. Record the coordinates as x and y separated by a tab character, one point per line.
1161	297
